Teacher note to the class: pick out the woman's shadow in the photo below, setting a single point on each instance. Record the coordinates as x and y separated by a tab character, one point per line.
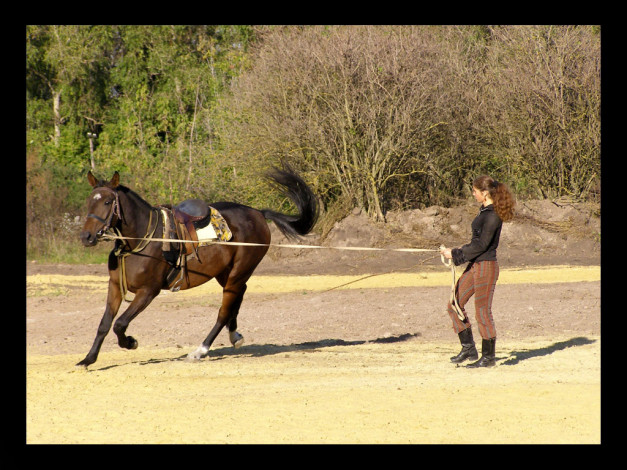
517	356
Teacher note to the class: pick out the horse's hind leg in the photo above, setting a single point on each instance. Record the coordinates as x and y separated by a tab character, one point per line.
237	340
231	300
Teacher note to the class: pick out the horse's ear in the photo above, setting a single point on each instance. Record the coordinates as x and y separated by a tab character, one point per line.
115	180
92	180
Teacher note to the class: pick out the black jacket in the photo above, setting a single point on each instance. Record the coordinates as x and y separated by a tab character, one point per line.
486	232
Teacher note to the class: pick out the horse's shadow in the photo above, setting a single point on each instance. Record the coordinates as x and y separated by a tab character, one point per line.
262	350
272	349
517	356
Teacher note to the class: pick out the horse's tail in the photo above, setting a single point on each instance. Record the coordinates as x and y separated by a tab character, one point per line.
293	186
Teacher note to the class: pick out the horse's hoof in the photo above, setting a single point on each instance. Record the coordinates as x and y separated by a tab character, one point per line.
237	340
193	357
132	343
198	354
84	363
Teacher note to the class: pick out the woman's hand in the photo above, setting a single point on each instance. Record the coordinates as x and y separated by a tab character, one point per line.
446	252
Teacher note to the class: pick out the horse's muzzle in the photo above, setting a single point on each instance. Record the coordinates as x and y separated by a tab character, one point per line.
88	238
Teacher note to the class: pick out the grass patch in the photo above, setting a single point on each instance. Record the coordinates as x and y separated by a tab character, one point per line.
56	251
45	291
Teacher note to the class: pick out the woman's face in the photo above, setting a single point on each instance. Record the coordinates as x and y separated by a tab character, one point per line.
480	196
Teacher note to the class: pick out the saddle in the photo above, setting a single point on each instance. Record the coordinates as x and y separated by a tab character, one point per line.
193	221
191	215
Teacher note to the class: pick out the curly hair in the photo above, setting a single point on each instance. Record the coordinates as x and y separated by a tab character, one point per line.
500	194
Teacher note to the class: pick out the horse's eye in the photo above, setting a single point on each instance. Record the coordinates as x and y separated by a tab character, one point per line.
107	203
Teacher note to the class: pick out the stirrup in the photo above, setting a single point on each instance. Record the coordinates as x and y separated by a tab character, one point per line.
171	280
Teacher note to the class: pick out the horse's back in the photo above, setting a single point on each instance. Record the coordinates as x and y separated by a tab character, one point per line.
247	225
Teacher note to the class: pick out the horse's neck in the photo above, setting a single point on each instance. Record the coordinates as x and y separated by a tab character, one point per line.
138	217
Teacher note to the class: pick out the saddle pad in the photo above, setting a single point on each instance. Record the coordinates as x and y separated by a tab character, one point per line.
218	229
206	233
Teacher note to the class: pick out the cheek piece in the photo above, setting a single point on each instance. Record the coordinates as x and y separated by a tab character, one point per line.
115	210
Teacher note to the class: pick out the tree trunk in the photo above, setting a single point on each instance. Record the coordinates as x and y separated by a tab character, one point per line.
374	202
56	107
91	153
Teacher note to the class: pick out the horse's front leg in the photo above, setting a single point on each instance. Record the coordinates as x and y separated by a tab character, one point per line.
114	299
142	299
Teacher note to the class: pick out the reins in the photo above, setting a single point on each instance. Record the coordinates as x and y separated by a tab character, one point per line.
121	254
120	251
216	242
453	298
149	238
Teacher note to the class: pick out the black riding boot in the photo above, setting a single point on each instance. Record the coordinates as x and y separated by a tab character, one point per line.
468	347
488	358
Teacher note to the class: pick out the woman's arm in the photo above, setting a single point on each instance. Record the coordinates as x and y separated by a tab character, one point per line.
479	245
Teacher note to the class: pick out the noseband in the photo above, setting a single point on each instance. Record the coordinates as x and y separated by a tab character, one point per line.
115	210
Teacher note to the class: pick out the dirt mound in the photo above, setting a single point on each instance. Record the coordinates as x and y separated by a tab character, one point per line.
542	233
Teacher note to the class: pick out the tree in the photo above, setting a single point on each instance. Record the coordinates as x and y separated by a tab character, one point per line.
354	105
67	66
543	96
146	91
401	116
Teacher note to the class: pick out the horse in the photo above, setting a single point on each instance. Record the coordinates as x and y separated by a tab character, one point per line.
138	265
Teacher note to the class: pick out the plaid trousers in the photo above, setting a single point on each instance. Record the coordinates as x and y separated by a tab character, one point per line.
479	279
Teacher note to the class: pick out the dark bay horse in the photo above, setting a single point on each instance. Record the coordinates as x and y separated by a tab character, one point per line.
114	206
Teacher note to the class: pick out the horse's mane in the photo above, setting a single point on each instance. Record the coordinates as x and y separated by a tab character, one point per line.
133	195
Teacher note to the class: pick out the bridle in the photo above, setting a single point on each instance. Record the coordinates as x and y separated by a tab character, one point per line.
124	249
115	210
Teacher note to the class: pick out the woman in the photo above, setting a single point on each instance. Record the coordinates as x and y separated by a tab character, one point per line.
482	272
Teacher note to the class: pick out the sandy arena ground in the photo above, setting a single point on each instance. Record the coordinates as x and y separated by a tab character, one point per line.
367	363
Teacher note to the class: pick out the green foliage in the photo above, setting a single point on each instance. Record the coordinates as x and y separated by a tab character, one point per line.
145	91
382	116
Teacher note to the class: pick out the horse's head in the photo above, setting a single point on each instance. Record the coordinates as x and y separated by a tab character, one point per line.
102	206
